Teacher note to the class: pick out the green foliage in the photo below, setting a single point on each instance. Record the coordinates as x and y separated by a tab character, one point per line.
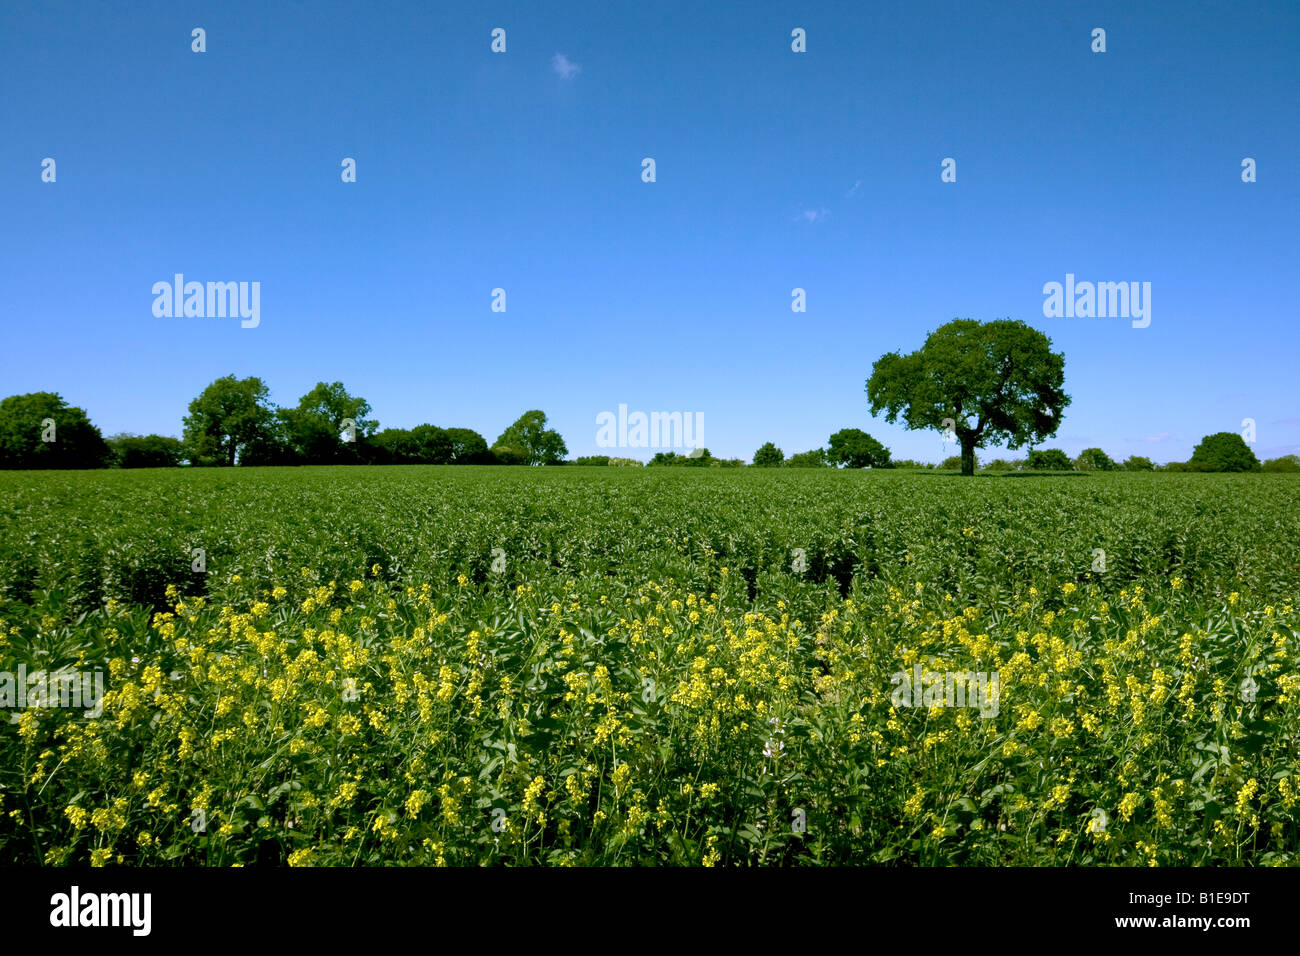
41	430
997	381
699	458
854	448
229	417
1287	463
1138	463
529	442
1223	451
625	463
953	463
769	456
809	459
598	460
1094	459
468	447
647	678
146	451
1003	464
1048	459
317	431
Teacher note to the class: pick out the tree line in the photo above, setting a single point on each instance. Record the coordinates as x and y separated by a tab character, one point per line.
233	422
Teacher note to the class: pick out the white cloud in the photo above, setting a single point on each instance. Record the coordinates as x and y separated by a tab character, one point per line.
1163	436
812	215
565	68
854	189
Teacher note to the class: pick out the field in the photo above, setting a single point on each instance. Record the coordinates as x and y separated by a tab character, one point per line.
571	666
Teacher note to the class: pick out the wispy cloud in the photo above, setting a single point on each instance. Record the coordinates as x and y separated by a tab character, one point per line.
850	193
812	215
1163	436
1286	421
565	68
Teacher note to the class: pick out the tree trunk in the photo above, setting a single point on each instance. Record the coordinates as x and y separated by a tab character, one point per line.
968	454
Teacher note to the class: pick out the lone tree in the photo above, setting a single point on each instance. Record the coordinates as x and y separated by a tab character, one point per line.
529	442
1048	459
769	456
229	416
1224	451
854	448
315	431
1001	374
41	430
1094	459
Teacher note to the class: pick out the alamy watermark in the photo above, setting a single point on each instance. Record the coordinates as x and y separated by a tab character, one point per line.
1103	300
194	300
922	688
655	430
61	688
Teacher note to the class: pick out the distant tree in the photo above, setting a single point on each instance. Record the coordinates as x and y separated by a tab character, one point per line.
854	448
808	459
1002	464
912	465
432	445
700	457
1001	374
328	426
468	447
953	463
600	460
769	456
1287	463
1138	463
1177	466
625	463
529	442
392	446
510	454
1094	459
1224	451
41	430
146	451
228	416
1048	459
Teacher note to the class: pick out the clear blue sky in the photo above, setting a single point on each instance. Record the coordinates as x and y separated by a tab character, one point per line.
819	170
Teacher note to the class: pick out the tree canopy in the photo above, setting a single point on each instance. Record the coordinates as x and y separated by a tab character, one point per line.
529	442
328	426
1094	459
1223	451
228	417
1048	459
994	382
41	430
854	448
769	456
146	451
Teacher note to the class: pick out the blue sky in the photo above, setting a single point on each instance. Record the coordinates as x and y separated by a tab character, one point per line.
775	170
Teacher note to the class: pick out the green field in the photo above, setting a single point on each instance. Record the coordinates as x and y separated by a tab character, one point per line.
571	666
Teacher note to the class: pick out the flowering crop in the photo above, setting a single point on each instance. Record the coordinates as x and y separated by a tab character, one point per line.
647	678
